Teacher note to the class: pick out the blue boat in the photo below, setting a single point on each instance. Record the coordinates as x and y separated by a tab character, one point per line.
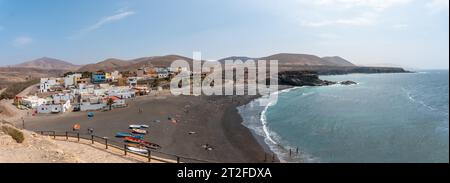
124	134
138	136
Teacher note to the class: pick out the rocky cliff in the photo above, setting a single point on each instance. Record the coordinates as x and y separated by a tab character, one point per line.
301	78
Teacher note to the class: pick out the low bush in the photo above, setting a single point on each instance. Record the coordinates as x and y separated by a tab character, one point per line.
16	134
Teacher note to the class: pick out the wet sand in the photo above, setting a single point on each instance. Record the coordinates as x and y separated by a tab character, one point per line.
213	119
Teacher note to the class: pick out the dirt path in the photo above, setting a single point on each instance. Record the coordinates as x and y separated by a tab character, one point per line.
10	112
28	90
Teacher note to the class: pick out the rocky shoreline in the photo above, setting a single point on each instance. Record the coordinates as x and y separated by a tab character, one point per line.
306	78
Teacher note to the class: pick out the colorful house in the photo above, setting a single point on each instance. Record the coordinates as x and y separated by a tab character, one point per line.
98	77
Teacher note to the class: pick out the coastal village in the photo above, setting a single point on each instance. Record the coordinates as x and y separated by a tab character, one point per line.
94	91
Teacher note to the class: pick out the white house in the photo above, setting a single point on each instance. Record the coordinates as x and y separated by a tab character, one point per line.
62	98
54	108
87	106
99	92
71	80
47	84
33	101
121	93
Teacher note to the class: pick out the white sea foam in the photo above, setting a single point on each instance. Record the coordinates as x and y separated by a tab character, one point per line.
412	98
272	139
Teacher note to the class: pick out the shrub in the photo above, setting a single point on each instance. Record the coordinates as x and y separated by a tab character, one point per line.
16	134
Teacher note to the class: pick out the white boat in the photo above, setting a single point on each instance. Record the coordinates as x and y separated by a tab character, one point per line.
135	126
138	126
145	126
138	150
139	131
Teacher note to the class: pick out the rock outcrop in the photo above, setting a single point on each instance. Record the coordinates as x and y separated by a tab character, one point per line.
301	78
348	83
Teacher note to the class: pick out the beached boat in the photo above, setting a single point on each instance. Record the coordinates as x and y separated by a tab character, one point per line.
138	136
150	145
153	146
124	134
134	126
133	140
139	131
145	126
134	145
138	126
138	150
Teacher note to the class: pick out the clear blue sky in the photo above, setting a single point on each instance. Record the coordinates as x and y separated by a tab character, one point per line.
412	33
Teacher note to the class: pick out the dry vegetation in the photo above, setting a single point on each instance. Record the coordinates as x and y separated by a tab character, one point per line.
14	133
16	88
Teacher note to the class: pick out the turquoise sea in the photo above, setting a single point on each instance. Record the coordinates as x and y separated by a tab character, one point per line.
384	118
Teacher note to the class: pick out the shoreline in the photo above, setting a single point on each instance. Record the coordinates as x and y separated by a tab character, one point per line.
253	117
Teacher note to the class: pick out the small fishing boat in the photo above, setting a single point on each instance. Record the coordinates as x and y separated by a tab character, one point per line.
139	131
153	146
124	134
132	140
135	126
138	126
150	145
145	126
138	136
134	145
138	150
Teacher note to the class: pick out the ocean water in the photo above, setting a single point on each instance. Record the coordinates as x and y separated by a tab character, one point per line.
384	118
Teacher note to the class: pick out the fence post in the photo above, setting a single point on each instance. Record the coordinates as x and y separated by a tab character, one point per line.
125	149
54	135
92	139
78	137
297	150
149	156
178	159
67	135
42	132
290	152
106	143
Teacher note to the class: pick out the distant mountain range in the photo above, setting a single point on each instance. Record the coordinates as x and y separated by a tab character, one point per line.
286	61
47	63
289	59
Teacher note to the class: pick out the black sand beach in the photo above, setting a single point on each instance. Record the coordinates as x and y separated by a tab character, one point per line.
212	120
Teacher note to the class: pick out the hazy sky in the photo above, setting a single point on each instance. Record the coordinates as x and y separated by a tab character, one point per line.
412	33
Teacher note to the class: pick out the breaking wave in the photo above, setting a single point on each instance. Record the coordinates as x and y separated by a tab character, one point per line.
255	119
